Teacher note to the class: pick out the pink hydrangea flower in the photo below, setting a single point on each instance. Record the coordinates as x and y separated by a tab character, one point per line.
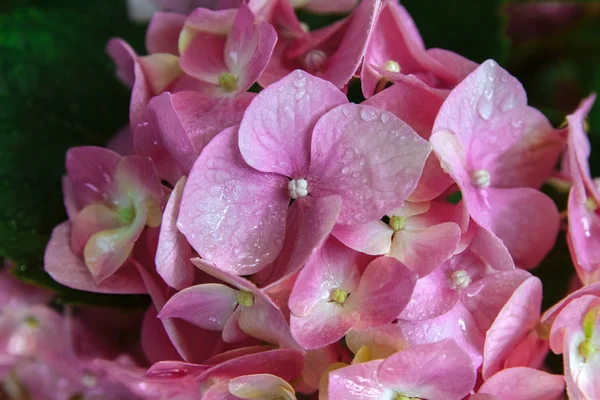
237	312
437	371
109	200
295	143
584	198
521	384
331	296
499	151
396	48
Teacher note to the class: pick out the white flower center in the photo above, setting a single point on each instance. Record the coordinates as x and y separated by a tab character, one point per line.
460	279
315	59
298	188
392	66
480	178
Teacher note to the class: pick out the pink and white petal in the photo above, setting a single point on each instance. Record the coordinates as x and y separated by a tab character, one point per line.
411	100
436	371
91	172
485	297
137	177
92	219
482	110
490	249
160	71
124	58
162	35
173	252
384	290
350	52
106	251
208	306
233	280
584	237
434	181
570	319
326	323
373	238
309	223
276	131
233	215
424	250
515	320
372	159
457	324
216	22
524	384
69	270
457	65
525	219
260	386
382	341
248	48
264	321
204	59
333	267
551	314
356	382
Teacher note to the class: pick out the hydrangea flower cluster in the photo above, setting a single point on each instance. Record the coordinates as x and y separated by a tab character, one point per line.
296	245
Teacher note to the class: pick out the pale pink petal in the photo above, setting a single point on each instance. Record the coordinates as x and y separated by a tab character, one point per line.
333	267
231	331
14	291
264	321
208	306
516	319
162	35
260	386
233	215
570	318
550	315
275	133
326	323
173	252
384	290
490	248
370	158
124	58
485	297
69	199
356	382
459	66
204	59
371	238
436	371
584	236
424	250
89	221
524	384
309	223
69	270
457	324
218	391
122	141
91	172
382	341
160	71
154	340
249	47
137	177
234	280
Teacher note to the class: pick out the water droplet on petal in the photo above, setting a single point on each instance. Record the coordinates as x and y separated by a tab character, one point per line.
346	111
484	108
517	123
385	117
367	115
508	104
345	170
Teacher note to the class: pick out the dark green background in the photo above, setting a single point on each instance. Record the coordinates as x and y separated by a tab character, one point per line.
57	90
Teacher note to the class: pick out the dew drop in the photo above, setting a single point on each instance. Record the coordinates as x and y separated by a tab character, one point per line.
345	170
488	93
385	117
508	104
367	115
516	123
346	111
484	109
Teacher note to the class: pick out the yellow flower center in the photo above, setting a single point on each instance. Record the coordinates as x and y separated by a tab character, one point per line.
228	82
245	299
339	296
397	223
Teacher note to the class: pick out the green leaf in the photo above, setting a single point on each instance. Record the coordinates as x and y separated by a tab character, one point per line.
57	90
474	29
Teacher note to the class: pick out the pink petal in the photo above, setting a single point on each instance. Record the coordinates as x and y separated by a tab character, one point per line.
333	267
371	238
275	134
457	65
121	142
173	252
208	306
218	391
570	319
233	280
154	340
374	172
225	200
231	331
433	182
584	236
91	172
327	323
384	290
424	250
436	371
264	321
411	100
309	223
457	324
160	71
69	199
490	249
382	341
216	22
124	58
137	177
550	315
486	297
89	221
69	270
516	319
204	59
249	47
259	386
162	35
524	384
356	382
